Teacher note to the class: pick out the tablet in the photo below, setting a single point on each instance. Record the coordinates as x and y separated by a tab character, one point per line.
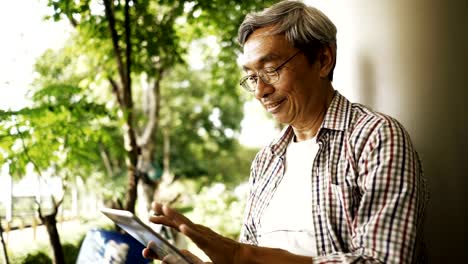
144	234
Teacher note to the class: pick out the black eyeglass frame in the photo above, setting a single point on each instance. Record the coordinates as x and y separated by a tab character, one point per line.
268	72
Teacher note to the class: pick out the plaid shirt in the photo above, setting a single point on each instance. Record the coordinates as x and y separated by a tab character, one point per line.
368	193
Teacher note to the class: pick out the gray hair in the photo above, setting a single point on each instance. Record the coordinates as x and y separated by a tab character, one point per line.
304	27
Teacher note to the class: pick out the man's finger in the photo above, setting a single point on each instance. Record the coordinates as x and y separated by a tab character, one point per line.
157	208
177	217
167	216
164	220
149	254
164	210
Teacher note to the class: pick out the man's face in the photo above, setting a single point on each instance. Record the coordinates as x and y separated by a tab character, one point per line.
295	97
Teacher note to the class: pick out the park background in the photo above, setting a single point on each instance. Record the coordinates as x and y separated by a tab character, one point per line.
61	123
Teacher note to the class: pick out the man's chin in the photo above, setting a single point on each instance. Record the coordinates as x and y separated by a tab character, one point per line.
281	119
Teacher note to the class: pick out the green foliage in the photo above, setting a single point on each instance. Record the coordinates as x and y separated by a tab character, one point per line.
232	167
66	130
71	251
201	108
39	252
197	114
155	43
73	120
63	134
219	208
37	258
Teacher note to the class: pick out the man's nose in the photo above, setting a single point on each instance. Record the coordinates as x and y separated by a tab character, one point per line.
263	89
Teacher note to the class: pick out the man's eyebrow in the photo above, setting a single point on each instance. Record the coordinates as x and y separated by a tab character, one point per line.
264	59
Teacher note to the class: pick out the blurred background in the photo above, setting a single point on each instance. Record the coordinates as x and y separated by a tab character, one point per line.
90	117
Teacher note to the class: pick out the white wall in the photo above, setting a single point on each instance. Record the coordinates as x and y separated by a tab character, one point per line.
409	59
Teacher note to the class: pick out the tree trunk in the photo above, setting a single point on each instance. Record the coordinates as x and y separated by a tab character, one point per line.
132	183
50	222
151	107
123	93
167	177
5	253
146	168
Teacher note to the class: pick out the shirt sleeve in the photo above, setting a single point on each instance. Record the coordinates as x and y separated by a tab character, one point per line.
387	227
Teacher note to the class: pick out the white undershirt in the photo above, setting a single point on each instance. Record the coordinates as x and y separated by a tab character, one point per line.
287	221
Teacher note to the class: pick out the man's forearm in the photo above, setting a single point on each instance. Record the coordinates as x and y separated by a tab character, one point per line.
260	255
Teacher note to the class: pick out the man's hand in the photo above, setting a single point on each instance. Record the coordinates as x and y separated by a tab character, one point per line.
218	248
169	259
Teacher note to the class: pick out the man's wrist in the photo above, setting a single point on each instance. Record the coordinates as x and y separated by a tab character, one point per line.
250	254
244	254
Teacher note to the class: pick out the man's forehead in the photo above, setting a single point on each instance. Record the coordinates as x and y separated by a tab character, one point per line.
260	39
262	46
252	60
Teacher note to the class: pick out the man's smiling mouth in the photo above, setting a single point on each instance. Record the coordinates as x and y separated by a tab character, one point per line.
273	107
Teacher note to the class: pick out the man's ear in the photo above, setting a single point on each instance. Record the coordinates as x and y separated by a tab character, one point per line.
327	60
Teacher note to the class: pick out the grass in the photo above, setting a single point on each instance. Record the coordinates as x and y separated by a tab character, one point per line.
23	248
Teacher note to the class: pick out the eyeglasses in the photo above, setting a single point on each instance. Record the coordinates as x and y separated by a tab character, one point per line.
269	75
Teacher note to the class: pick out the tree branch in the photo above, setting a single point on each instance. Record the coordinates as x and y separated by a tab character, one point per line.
73	21
154	97
39	211
56	204
105	160
128	51
117	91
26	152
170	16
70	17
109	11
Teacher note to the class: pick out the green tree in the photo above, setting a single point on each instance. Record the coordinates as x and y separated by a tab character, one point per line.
133	39
203	124
130	48
65	131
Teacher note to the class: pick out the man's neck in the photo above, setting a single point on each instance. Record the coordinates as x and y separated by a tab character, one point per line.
310	129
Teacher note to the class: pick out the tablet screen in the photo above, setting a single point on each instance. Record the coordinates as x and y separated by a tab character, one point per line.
144	234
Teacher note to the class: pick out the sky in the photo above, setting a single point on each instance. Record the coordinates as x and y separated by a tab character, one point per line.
25	36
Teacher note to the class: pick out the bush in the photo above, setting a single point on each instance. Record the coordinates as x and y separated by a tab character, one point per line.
38	257
220	209
70	252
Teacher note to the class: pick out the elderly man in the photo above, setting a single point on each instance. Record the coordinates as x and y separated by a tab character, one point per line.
341	184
